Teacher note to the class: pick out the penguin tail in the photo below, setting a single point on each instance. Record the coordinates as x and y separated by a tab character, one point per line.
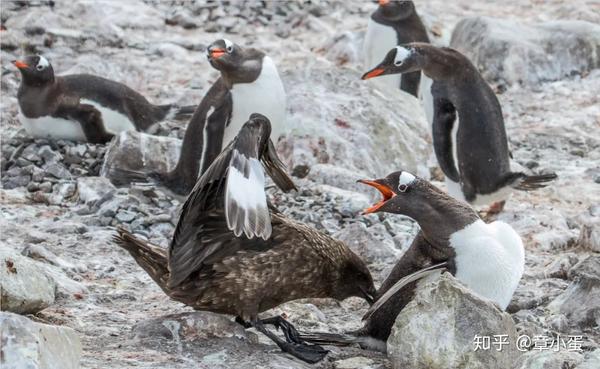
525	182
173	111
153	259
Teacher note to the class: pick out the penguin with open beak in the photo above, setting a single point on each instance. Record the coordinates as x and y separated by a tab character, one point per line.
487	258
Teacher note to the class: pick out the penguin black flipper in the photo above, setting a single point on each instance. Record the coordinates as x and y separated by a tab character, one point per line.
213	113
232	217
443	122
90	120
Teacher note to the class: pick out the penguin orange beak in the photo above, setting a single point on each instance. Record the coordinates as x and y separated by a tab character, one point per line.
216	53
20	64
373	73
385	191
384	2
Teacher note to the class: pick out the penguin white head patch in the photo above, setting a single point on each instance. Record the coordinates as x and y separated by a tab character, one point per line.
405	180
42	63
228	45
401	54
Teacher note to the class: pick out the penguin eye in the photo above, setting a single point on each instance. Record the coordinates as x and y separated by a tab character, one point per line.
39	67
398	63
402	188
229	48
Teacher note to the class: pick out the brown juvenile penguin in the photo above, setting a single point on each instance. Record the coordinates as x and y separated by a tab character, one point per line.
231	255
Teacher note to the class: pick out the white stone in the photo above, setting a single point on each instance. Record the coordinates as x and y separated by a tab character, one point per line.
31	345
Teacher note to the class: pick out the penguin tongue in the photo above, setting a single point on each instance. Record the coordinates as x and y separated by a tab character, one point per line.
385	191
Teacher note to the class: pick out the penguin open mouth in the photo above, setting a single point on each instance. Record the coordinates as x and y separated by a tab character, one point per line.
216	53
385	191
373	73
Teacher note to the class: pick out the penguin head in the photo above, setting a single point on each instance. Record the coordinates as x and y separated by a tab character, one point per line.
222	52
401	193
395	10
401	59
35	70
236	64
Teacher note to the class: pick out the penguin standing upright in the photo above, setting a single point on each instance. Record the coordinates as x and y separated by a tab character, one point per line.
489	258
83	107
468	131
392	24
249	83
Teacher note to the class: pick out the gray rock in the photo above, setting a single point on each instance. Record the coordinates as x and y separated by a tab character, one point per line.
138	152
437	329
38	252
92	189
351	203
62	192
49	155
125	216
356	127
357	362
581	300
591	360
57	170
25	287
200	325
373	244
549	360
589	236
512	52
31	345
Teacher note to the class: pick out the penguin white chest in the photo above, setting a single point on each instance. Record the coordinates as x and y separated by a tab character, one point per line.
489	260
52	128
265	96
379	40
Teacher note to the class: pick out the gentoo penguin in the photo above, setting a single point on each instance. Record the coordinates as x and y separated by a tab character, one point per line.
249	83
487	258
394	23
82	107
233	253
468	131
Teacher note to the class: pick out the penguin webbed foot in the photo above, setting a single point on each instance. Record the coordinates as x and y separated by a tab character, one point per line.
301	350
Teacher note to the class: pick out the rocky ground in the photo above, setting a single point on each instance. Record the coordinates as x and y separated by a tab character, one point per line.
57	211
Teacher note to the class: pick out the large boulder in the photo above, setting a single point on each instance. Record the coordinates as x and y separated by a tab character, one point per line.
31	345
139	152
25	287
339	120
437	329
507	51
581	300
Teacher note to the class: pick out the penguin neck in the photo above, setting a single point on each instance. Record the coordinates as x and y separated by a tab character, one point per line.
439	215
36	82
438	63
